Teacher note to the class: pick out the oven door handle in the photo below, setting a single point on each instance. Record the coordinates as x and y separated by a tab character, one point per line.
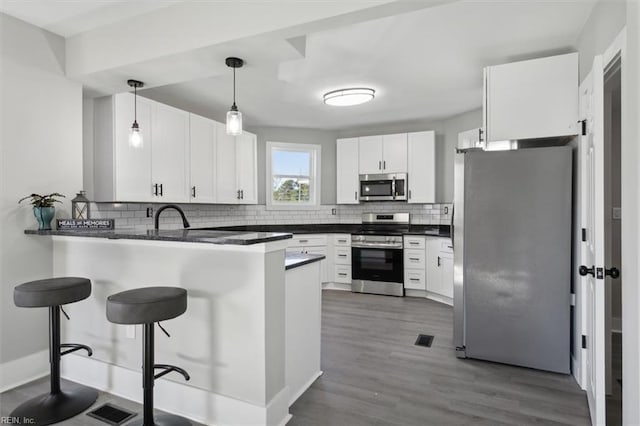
377	245
393	187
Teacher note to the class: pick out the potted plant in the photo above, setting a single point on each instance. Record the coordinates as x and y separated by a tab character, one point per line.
43	208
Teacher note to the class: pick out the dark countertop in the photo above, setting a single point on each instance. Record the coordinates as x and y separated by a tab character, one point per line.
294	260
331	228
210	236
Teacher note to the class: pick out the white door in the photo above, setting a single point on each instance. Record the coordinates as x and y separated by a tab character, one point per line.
421	167
347	171
227	191
202	152
370	155
394	153
169	155
246	164
592	253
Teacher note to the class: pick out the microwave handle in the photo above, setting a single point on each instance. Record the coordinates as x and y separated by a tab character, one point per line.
393	187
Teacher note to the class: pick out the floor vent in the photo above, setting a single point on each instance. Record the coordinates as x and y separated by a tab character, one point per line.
111	414
424	340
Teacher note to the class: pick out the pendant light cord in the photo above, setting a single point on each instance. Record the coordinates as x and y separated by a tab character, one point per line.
135	104
234	86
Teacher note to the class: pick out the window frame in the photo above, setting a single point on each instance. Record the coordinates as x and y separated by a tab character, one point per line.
314	175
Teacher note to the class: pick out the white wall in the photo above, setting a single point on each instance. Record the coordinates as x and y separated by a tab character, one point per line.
41	151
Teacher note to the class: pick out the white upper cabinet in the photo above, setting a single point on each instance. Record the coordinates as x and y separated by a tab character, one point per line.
421	171
170	153
203	151
394	153
347	171
531	99
370	155
246	164
236	164
123	175
383	154
470	139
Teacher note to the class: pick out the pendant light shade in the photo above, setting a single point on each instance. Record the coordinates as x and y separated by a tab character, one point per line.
135	137
234	117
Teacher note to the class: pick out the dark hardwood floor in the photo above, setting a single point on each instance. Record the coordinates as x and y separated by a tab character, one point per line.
374	375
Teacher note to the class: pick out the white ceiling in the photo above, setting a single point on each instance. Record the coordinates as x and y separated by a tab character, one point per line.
424	65
70	17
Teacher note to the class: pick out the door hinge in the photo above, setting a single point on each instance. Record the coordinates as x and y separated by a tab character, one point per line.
583	127
584	234
573	299
584	342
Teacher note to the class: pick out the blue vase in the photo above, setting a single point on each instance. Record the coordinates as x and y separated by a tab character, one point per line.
44	216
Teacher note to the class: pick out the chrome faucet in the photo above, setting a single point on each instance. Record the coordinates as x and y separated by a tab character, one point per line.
185	222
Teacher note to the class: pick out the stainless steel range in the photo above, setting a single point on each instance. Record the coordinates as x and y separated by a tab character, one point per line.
377	262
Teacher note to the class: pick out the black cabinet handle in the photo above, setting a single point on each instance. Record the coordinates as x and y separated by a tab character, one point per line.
613	272
379	165
414	279
438	260
238	196
414	258
193	192
242	194
342	255
355	196
409	194
384	165
161	190
342	274
584	271
155	189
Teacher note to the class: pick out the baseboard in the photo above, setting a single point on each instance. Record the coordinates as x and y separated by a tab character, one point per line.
193	403
616	325
336	286
304	388
428	295
23	370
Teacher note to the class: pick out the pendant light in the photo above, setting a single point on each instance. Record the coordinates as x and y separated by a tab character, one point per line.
234	117
135	137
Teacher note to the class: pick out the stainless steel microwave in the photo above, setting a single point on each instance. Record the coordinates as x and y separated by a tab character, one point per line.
383	187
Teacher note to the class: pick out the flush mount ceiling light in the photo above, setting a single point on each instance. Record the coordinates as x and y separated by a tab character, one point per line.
135	137
234	117
348	97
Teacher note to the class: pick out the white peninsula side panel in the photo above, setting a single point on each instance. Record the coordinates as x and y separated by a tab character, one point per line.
231	339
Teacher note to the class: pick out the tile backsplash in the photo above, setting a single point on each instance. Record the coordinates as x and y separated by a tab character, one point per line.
134	215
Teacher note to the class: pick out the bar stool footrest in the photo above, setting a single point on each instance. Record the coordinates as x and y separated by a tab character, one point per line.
167	368
75	347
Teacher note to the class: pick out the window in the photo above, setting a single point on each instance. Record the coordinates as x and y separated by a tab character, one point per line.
293	177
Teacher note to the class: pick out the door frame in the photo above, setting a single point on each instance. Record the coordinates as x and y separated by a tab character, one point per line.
616	50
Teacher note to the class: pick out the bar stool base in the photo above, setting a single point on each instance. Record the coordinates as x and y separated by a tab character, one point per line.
52	408
163	420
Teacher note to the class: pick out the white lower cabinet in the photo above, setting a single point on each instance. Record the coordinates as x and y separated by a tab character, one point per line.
336	267
440	269
414	263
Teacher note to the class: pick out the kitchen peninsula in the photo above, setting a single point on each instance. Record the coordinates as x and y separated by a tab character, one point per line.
239	338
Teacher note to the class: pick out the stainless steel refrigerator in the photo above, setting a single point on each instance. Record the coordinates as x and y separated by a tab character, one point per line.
512	256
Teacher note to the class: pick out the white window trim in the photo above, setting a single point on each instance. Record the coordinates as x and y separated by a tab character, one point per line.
315	172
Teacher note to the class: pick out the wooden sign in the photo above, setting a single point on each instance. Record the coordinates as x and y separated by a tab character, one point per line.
85	224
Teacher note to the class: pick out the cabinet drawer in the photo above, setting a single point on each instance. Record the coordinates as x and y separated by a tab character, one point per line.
414	242
342	256
308	240
414	259
342	274
342	240
446	246
415	279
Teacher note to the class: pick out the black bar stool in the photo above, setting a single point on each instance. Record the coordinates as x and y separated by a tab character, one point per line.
147	306
59	404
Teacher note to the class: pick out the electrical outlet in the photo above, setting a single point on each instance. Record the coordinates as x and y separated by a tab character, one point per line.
131	331
334	211
149	211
